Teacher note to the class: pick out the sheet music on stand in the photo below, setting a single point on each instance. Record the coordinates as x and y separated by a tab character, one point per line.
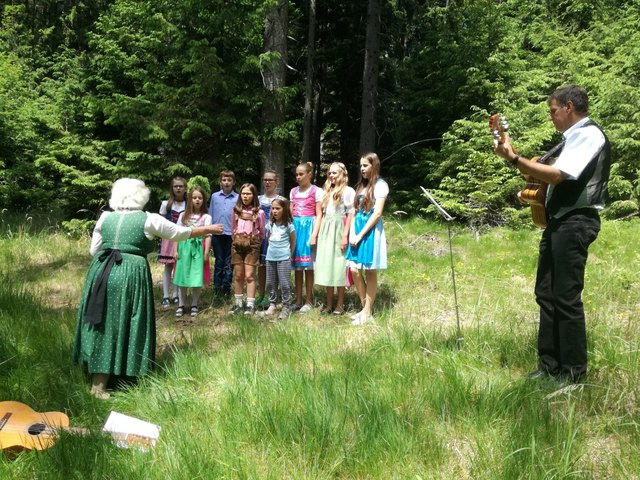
442	211
448	218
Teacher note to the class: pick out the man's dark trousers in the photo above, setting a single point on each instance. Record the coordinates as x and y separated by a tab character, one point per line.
562	338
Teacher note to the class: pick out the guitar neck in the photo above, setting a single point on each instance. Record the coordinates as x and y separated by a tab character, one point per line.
544	159
122	439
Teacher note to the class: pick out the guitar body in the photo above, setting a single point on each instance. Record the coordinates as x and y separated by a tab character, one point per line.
22	428
534	194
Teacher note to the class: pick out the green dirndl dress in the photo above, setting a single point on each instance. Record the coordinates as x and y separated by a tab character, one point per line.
331	264
123	342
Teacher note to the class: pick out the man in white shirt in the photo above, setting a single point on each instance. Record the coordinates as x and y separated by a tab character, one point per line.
577	190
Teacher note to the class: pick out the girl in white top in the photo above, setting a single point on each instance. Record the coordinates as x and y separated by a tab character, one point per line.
367	241
171	210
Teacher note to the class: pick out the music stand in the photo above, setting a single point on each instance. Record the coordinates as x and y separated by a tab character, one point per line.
448	218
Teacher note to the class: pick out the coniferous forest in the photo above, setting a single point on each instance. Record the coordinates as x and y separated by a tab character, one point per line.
94	90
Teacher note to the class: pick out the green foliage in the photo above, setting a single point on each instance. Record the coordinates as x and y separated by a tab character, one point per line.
621	209
100	89
95	91
77	228
24	126
174	83
535	48
475	184
199	181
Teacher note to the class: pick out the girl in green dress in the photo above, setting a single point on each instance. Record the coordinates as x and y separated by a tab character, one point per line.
192	255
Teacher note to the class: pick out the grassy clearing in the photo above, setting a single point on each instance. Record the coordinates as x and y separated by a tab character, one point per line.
314	397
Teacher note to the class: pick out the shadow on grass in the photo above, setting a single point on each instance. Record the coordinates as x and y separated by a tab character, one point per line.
41	271
35	363
386	298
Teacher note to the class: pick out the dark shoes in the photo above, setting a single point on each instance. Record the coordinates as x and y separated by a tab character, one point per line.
539	374
236	309
556	381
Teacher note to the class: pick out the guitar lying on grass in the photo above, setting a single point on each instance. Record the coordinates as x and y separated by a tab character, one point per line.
22	428
534	192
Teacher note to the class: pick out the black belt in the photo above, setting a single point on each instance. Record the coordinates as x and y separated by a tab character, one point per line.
591	212
95	303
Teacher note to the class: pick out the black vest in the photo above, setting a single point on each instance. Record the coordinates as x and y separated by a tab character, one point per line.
594	179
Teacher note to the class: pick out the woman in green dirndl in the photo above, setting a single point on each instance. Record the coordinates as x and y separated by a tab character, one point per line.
116	327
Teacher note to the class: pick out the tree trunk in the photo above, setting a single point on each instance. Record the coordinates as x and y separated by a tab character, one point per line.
370	79
316	129
274	72
310	100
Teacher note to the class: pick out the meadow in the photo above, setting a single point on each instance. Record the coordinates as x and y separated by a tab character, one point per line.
406	396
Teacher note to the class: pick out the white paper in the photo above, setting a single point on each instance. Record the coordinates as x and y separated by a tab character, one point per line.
126	430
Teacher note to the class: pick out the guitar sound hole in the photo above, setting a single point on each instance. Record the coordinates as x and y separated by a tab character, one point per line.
36	428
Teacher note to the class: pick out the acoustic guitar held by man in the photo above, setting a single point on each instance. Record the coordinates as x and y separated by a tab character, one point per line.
577	189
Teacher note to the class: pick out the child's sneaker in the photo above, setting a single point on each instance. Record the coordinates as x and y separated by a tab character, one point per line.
284	313
235	309
271	310
166	303
305	308
248	310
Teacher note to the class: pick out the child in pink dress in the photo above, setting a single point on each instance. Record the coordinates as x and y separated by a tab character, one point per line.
306	209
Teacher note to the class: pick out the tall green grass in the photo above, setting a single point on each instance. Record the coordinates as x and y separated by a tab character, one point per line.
314	397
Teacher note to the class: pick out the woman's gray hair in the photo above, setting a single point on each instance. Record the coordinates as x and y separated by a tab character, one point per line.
129	194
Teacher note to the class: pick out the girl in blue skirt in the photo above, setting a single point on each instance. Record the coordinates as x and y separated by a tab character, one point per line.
367	243
306	209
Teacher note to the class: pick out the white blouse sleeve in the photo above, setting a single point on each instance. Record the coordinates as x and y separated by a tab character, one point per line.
348	197
96	237
157	226
381	189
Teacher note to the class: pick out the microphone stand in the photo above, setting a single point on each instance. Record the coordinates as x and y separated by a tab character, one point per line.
448	219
